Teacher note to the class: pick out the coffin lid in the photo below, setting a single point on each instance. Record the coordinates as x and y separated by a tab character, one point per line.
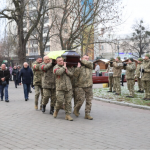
71	54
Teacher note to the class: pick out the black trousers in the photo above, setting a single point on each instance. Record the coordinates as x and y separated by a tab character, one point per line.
16	82
122	79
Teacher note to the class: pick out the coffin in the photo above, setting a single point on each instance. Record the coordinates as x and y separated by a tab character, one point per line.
71	57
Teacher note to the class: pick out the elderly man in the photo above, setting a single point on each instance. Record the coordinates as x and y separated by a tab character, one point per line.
15	74
27	78
48	84
97	69
4	81
37	81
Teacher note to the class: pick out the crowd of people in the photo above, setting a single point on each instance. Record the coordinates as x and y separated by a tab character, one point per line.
141	72
57	82
61	83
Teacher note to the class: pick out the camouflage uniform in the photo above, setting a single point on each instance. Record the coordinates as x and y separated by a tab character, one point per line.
73	81
137	75
146	78
110	78
84	85
130	72
117	68
48	84
37	82
63	88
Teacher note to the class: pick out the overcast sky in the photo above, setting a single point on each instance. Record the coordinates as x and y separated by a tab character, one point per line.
134	10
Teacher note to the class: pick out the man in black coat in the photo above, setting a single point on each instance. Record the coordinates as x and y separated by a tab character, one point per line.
27	78
4	81
15	74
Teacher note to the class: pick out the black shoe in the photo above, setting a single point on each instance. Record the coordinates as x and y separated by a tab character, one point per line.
114	91
30	91
52	110
116	94
16	86
43	108
130	96
26	99
7	101
141	91
109	91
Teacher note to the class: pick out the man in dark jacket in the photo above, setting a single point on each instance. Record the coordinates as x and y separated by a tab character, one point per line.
15	74
27	78
4	81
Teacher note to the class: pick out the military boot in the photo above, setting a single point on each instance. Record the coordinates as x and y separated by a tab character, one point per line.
87	116
52	110
68	117
55	113
36	107
76	112
43	108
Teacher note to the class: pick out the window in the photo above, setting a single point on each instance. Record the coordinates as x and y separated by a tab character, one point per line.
46	20
102	47
45	30
47	49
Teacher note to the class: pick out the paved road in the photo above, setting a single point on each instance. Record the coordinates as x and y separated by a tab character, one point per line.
114	127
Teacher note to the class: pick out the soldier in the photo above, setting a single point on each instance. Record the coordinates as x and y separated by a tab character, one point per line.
137	75
110	76
48	85
37	81
145	70
117	67
84	86
63	88
130	71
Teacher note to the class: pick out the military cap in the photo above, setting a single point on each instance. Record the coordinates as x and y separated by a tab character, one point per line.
131	59
140	59
112	59
118	57
147	55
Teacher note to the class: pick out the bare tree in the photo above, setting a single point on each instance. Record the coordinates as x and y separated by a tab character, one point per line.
42	33
19	12
80	17
138	43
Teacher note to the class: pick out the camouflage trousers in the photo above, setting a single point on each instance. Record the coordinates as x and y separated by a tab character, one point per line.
74	96
146	86
140	84
130	85
38	90
83	94
117	85
64	98
47	94
110	83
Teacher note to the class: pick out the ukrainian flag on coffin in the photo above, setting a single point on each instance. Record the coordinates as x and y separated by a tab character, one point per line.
55	54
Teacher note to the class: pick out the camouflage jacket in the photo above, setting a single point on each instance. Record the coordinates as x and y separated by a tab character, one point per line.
117	68
37	80
73	78
48	78
63	81
130	71
84	74
137	72
146	67
109	69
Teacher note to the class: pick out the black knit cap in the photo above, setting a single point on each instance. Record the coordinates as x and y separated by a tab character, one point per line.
131	59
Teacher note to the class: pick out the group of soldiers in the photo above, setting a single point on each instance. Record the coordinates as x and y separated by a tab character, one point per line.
60	83
141	73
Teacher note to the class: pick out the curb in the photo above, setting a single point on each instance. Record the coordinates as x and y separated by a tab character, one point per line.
122	103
